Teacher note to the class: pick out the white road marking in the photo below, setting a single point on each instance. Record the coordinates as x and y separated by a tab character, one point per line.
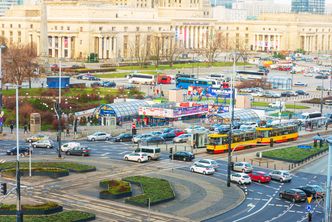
251	206
104	154
259	192
249	215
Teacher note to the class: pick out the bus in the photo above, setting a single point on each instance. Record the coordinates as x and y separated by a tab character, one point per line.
139	78
249	75
184	83
218	143
277	134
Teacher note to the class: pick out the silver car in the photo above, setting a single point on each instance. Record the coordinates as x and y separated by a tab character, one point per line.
208	163
99	136
242	167
281	175
183	138
141	137
43	144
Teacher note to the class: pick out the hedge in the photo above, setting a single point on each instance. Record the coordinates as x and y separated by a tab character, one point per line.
294	154
51	172
158	190
71	166
66	216
114	189
37	209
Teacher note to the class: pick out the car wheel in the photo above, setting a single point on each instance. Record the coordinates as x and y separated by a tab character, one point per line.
107	138
12	153
149	158
280	195
48	147
139	160
239	182
204	172
192	170
30	141
259	181
83	154
184	159
67	153
121	140
93	139
243	171
126	158
293	200
34	146
281	180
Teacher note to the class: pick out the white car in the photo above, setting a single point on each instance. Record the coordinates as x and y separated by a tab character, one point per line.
208	163
195	128
308	74
139	138
240	178
300	84
183	138
138	157
259	94
198	168
99	136
68	146
242	167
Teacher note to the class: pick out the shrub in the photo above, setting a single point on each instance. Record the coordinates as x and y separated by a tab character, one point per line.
43	206
115	186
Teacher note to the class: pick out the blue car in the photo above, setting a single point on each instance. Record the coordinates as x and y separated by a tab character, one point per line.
108	84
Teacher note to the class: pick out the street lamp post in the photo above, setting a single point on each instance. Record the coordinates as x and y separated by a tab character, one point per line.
1	47
230	139
321	96
19	214
59	112
328	182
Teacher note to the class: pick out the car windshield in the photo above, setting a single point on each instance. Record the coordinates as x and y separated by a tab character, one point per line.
317	188
245	176
213	162
248	165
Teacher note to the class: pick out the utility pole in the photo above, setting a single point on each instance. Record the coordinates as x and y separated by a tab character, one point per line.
321	97
1	47
328	182
58	111
19	214
230	138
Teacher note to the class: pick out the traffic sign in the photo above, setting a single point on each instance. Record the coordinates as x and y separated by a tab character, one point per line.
309	199
308	207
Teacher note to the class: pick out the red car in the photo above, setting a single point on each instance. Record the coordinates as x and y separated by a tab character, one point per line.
178	132
260	177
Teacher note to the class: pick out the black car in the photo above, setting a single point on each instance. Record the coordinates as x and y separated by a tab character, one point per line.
313	190
93	78
182	155
168	136
22	150
285	94
301	93
123	137
153	140
321	77
108	84
79	151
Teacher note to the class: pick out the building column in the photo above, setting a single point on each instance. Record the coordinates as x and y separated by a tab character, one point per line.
53	46
203	37
69	46
198	37
268	42
100	51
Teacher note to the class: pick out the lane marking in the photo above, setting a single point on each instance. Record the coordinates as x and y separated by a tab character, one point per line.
104	154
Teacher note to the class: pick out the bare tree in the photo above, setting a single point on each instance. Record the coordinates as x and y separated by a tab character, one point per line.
215	45
155	49
18	63
241	48
139	50
172	51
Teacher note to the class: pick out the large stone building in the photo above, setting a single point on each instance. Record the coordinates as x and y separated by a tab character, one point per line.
122	29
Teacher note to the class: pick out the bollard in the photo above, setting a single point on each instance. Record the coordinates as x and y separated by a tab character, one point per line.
236	159
267	164
289	167
244	159
259	163
274	166
185	148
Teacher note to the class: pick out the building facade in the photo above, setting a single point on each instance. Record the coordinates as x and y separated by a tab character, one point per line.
128	29
311	6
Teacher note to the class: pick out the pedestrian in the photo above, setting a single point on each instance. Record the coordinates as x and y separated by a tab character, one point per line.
67	131
11	128
326	126
25	128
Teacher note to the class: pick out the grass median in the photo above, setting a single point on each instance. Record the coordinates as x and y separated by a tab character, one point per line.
66	216
294	154
155	189
288	106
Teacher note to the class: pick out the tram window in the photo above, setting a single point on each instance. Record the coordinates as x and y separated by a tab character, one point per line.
214	141
225	140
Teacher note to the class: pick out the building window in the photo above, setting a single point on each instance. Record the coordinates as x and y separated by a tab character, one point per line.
264	29
2	33
3	25
247	28
237	28
55	27
81	42
19	26
137	29
125	28
31	26
149	28
100	28
81	29
61	27
113	29
19	36
11	25
68	28
160	28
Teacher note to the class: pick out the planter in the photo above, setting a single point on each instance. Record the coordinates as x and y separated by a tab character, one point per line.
40	173
34	211
86	219
82	171
295	161
109	196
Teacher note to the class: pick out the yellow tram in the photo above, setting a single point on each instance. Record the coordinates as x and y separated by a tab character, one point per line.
218	143
277	134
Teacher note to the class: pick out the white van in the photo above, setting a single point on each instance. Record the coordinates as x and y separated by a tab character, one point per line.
152	152
68	146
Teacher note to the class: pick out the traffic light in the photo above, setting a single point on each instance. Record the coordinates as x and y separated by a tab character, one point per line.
3	187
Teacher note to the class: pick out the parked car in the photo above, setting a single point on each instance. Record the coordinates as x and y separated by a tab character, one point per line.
23	149
139	138
168	130
195	128
242	167
168	136
183	138
36	137
43	144
68	146
198	168
137	157
123	137
108	84
223	129
286	94
315	191
260	177
319	88
156	133
240	178
301	92
93	78
294	195
99	136
153	140
300	84
281	175
79	151
95	84
308	74
183	155
320	76
208	162
178	132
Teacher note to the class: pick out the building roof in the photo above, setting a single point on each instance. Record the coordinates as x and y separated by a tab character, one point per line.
121	109
243	115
